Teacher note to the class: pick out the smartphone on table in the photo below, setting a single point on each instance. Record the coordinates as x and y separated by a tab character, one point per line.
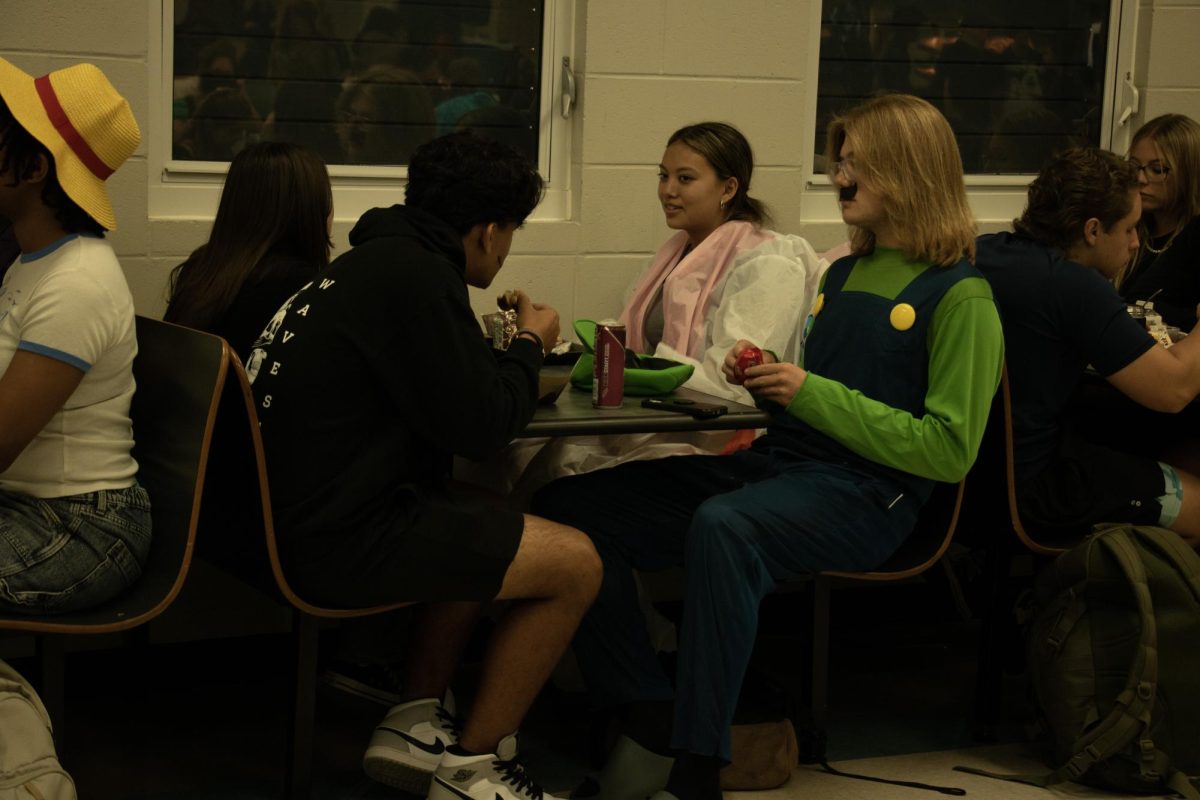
682	405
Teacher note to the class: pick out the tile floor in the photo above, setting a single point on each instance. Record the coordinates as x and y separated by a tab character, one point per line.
206	719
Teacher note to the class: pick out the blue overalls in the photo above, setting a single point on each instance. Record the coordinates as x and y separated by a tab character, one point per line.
796	502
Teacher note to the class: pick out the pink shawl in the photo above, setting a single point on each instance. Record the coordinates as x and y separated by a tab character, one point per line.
687	286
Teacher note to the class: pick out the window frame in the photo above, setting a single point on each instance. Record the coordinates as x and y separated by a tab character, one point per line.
192	189
993	198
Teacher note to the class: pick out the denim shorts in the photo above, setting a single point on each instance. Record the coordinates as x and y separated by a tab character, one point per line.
70	553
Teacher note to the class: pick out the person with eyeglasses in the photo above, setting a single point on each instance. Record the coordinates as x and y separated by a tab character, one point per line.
901	356
1166	268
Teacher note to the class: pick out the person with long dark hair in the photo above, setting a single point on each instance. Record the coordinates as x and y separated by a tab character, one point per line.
270	237
723	276
74	523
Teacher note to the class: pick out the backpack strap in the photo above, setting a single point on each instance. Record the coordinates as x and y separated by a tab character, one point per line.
1130	716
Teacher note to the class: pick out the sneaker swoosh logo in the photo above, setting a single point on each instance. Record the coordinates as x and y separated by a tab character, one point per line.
459	792
435	749
456	791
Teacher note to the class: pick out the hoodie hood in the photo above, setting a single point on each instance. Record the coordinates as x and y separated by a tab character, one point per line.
409	223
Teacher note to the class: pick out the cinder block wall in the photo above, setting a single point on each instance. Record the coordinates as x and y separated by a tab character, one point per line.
645	67
1168	69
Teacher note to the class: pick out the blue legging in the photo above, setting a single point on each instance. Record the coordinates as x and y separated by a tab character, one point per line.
739	524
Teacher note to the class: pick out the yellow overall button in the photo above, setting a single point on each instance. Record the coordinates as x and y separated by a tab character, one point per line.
903	316
818	304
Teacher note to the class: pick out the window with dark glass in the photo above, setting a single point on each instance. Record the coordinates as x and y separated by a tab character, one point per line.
359	81
1017	79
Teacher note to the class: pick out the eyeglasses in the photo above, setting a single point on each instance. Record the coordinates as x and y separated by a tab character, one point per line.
844	167
1154	172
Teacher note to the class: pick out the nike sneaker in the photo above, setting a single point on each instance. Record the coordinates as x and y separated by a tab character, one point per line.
408	745
492	776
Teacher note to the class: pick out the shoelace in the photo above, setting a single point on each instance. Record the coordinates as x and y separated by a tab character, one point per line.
449	722
513	772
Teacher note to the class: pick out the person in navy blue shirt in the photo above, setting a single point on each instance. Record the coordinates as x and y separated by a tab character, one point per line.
1052	280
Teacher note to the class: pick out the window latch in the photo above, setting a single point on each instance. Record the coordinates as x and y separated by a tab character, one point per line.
568	87
1133	100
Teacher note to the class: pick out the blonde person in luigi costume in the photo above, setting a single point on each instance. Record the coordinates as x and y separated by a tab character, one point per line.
901	359
74	524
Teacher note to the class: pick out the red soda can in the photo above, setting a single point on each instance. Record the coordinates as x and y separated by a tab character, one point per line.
608	373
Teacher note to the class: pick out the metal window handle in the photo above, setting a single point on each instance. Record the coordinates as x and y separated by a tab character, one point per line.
568	87
1134	98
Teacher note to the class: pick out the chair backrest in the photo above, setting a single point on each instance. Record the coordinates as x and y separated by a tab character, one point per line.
179	374
239	512
1010	474
927	543
991	500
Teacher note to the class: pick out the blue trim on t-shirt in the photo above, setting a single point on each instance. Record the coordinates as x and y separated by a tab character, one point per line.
48	249
57	355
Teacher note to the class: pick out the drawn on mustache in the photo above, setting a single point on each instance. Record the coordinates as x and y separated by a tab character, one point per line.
848	192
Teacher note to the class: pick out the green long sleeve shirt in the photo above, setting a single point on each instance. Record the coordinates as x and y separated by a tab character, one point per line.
965	344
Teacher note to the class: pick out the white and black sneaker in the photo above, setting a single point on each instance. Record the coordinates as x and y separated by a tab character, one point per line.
408	745
492	776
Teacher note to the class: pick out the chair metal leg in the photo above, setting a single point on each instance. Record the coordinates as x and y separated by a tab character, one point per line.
988	669
300	740
51	655
812	746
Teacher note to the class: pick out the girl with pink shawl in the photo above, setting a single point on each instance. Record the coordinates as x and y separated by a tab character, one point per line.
721	278
740	281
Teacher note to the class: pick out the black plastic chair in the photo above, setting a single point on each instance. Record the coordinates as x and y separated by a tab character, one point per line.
180	374
923	549
237	522
996	521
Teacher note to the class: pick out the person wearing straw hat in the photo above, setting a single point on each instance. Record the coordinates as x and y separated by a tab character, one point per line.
74	523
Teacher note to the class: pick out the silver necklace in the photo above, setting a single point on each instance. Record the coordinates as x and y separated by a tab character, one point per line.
1160	250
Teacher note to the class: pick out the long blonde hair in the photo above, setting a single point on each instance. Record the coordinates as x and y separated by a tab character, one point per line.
905	151
1177	139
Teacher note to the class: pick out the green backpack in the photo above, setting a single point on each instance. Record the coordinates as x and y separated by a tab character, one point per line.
1114	654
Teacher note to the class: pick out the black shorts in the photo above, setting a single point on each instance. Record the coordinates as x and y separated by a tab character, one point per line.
449	546
1087	484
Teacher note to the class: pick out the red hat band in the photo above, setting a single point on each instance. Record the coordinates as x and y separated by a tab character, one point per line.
73	138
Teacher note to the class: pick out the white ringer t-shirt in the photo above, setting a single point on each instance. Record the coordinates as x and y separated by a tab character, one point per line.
70	302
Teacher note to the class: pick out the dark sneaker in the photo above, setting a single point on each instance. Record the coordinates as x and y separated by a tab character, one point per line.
379	683
493	776
409	744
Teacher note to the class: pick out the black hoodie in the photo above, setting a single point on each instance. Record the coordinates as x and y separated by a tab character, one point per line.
377	375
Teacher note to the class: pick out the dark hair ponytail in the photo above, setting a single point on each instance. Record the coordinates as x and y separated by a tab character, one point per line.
729	154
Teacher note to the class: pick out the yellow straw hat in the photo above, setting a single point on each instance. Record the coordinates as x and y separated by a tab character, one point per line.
84	123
